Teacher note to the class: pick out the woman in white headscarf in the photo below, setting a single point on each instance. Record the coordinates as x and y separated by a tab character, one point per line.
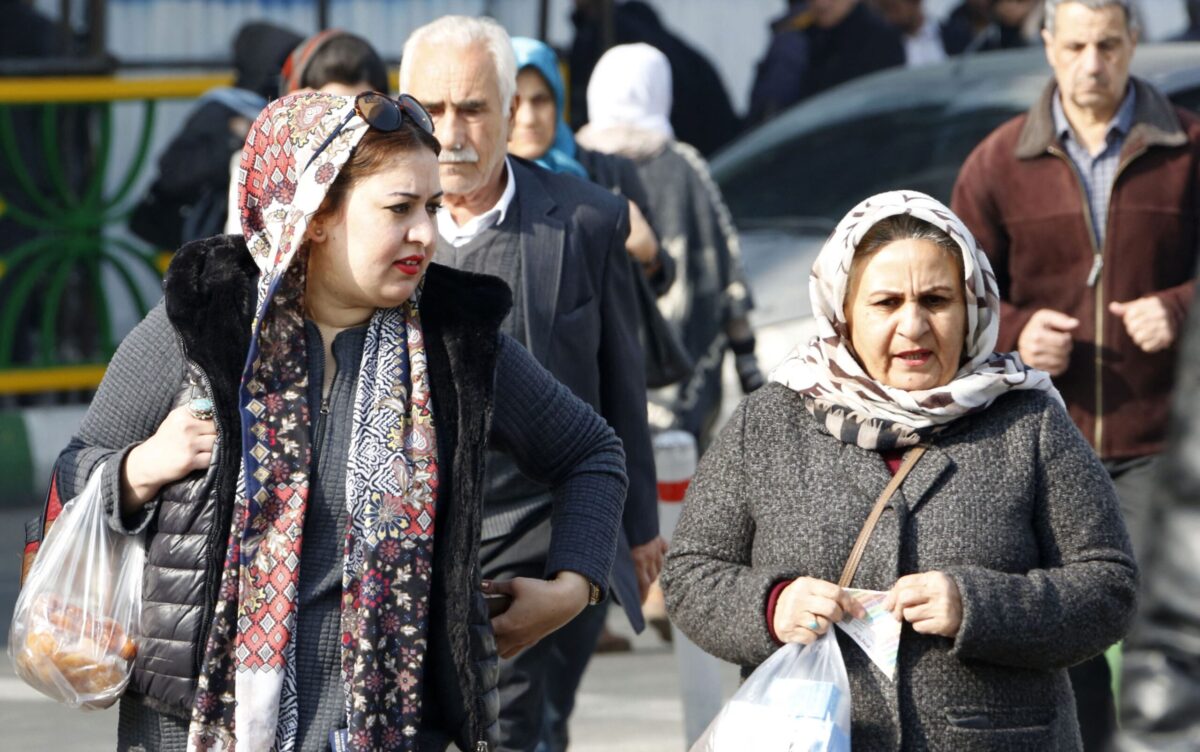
629	106
1003	552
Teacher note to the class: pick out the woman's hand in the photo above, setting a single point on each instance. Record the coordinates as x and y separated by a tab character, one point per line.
648	559
538	608
642	243
929	601
181	445
807	607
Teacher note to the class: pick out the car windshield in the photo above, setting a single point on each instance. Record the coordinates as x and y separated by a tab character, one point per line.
820	174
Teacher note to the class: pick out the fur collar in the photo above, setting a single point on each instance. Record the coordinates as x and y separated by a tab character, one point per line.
210	295
208	279
627	141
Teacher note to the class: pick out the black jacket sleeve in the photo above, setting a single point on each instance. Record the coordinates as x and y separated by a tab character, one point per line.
558	440
623	387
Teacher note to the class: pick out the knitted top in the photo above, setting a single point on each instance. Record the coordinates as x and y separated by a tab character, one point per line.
147	372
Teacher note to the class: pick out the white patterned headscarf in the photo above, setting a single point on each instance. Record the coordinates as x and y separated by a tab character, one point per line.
860	410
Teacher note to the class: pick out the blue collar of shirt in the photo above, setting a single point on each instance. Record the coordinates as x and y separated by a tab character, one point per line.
1121	122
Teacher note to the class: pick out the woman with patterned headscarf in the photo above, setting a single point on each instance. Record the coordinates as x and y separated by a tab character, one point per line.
1002	554
300	430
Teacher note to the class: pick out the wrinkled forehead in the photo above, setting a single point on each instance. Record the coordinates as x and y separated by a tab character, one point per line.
1078	21
453	74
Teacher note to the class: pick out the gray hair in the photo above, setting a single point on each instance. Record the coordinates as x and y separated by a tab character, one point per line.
460	32
1131	16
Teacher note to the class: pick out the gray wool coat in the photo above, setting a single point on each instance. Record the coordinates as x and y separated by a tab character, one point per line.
1011	503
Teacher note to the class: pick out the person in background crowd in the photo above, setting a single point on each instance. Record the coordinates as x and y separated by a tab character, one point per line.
985	25
332	61
559	243
843	40
1086	206
336	62
1160	667
1006	537
968	21
354	395
184	202
778	75
540	135
703	114
924	42
629	96
1192	32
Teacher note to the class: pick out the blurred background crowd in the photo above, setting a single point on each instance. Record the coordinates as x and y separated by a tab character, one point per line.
120	121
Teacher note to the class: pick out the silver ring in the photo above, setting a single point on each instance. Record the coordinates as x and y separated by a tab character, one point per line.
813	625
201	408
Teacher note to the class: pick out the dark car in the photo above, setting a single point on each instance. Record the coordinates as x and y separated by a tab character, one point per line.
789	182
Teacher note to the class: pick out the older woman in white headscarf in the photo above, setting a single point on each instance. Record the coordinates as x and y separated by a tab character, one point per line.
629	103
1003	553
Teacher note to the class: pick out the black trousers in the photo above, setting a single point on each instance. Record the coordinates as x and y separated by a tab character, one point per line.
1092	680
538	686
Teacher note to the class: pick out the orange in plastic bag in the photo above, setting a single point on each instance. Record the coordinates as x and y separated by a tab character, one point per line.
74	633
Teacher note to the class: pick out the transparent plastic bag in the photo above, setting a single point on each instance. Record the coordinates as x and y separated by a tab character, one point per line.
798	700
73	634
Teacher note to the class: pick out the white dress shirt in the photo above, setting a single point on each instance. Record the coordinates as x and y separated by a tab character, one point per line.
458	235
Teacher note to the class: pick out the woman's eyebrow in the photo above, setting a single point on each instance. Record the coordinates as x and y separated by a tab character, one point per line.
415	196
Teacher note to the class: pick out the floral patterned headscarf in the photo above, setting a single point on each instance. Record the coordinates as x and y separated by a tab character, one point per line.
246	697
856	408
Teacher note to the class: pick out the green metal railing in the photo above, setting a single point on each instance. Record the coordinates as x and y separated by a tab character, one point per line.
71	221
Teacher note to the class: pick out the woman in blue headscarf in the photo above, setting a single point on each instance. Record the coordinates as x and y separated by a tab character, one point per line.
539	120
540	135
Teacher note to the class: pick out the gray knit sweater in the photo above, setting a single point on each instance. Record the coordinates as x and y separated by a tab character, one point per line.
1011	503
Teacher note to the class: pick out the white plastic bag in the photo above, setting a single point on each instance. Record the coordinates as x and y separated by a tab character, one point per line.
74	630
798	700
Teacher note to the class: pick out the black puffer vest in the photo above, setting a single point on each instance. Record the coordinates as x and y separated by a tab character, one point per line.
210	296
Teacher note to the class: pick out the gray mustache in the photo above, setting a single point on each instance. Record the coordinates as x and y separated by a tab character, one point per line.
453	156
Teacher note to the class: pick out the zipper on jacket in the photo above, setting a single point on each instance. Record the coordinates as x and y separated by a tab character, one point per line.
481	747
1094	279
213	537
323	411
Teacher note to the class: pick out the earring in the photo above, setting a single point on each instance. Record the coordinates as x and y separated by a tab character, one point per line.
318	234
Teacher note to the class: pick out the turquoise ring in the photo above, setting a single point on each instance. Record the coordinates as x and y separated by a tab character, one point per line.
201	408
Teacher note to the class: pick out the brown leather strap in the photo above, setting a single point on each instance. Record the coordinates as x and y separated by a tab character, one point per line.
860	545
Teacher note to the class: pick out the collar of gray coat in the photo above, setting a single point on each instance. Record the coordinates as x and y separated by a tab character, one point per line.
857	470
1155	123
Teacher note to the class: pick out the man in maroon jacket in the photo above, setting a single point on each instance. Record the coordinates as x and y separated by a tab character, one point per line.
1088	207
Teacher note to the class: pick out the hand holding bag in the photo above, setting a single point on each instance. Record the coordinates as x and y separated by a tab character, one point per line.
74	630
798	700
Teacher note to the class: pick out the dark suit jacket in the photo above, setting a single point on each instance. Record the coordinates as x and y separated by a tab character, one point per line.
580	325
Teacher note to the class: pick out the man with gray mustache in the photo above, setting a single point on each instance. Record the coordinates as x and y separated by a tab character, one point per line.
559	243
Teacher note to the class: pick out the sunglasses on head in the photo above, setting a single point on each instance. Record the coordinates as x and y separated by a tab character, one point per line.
382	113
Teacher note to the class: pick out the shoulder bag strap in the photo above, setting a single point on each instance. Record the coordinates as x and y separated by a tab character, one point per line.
860	545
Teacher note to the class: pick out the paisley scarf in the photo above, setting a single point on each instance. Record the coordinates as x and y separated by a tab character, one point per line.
246	698
856	408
